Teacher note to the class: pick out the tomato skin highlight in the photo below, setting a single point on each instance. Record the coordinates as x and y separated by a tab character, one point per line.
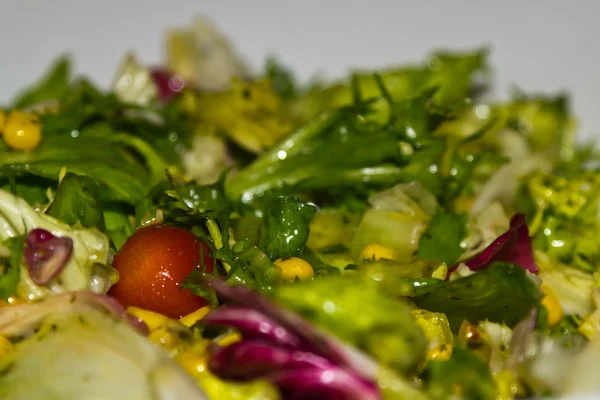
153	263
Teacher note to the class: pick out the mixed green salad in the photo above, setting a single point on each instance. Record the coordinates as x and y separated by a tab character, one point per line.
203	231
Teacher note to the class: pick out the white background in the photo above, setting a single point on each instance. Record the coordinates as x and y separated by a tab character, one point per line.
538	45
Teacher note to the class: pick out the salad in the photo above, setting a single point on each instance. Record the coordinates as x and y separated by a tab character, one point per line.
204	231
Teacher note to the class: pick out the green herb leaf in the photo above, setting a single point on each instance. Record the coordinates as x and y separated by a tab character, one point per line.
76	202
54	85
284	231
499	293
441	241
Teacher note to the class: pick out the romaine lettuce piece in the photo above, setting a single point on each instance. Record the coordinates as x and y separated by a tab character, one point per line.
92	356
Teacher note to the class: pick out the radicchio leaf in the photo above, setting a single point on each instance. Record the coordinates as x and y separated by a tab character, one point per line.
332	383
46	255
168	85
513	246
252	359
318	342
252	324
282	348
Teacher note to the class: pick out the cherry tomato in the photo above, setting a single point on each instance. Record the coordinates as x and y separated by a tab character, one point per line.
153	263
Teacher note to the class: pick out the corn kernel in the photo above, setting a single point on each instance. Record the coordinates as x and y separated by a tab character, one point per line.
228	339
294	267
192	318
193	359
193	364
555	311
164	338
376	252
5	346
152	320
22	131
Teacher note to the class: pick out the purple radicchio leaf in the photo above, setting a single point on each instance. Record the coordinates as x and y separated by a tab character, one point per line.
252	359
318	342
167	84
46	255
252	324
513	246
331	383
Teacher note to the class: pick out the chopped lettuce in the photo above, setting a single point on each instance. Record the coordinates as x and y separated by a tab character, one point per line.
203	55
86	268
92	356
133	82
572	287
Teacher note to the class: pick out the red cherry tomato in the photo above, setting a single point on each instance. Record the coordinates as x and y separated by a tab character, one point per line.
153	263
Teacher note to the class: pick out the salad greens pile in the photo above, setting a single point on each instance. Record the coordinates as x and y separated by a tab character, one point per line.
391	235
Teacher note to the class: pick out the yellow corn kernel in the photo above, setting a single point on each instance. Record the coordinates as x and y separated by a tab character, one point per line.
192	318
152	320
192	363
228	339
294	267
5	346
555	311
164	338
193	359
377	252
22	131
2	120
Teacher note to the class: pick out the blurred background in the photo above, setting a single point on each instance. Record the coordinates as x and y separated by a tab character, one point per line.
544	46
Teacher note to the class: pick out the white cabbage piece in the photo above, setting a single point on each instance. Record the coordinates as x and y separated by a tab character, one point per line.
92	356
582	380
207	159
203	55
83	271
133	82
397	219
572	287
408	198
503	185
483	228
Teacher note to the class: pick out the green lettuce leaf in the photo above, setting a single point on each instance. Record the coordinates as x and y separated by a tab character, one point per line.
499	293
